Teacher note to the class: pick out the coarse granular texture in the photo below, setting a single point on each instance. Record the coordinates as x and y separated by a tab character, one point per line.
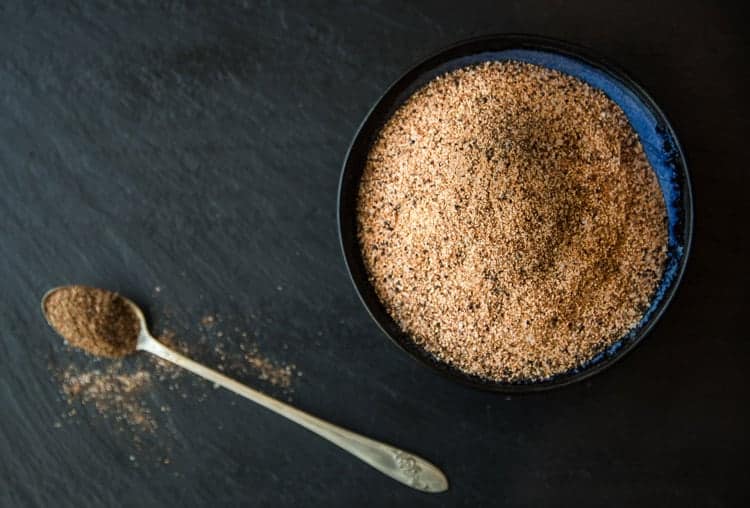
236	355
510	221
97	321
113	392
280	375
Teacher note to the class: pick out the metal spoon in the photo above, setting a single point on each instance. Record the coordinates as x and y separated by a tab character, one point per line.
400	465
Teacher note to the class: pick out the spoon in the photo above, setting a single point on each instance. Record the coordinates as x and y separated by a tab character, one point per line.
400	465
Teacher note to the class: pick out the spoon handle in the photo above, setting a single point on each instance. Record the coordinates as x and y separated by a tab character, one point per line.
400	465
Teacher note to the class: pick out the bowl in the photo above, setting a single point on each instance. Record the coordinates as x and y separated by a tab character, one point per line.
656	134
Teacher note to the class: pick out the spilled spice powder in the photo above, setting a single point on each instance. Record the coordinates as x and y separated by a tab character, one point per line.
99	322
510	222
277	374
113	392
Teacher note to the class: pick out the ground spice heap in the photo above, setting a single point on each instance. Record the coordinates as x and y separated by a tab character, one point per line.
97	321
510	221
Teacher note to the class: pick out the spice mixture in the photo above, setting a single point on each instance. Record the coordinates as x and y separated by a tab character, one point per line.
97	321
510	221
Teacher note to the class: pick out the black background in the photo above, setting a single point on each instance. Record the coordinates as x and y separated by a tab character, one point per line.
196	147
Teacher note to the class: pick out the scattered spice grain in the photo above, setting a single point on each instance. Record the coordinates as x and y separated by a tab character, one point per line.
113	392
279	375
510	221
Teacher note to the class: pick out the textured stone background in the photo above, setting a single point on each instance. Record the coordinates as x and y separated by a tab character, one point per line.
196	147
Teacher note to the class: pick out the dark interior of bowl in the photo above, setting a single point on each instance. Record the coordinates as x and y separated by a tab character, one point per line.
658	139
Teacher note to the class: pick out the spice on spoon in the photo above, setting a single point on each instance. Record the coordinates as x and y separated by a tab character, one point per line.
99	322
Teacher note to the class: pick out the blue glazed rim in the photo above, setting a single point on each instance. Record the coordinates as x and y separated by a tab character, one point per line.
657	136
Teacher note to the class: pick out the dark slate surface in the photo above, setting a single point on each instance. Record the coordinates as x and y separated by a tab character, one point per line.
196	147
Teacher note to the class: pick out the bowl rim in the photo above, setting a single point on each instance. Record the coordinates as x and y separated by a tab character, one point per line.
576	52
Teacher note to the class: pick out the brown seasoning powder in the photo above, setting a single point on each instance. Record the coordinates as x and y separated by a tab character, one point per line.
510	221
97	321
113	392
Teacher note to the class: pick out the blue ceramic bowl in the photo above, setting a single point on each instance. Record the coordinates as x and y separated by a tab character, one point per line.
656	134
